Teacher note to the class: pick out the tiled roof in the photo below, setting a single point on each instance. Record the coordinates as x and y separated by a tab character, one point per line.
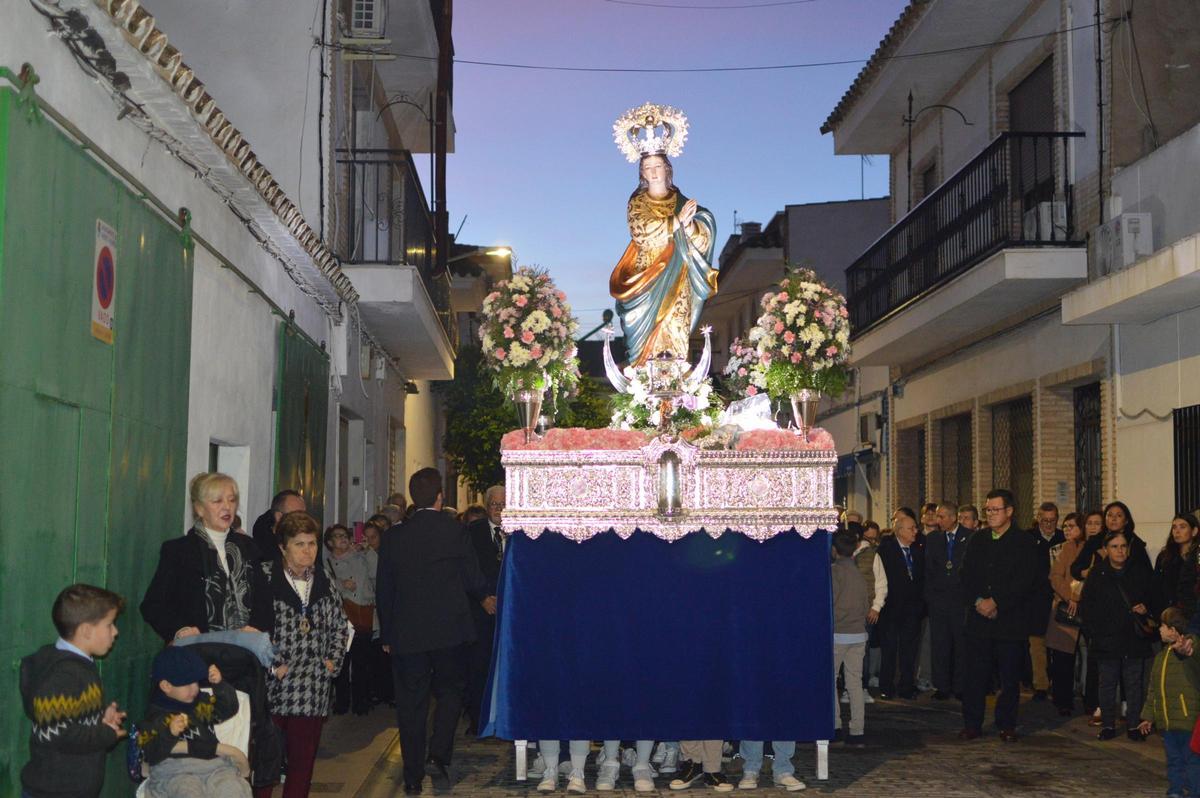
886	49
138	27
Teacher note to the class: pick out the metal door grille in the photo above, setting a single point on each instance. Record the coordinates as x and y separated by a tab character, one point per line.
957	472
1089	484
1012	454
1187	459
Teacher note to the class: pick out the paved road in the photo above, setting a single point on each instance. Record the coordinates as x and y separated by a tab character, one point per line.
912	751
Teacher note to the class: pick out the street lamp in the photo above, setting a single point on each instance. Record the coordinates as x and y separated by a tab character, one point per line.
496	252
910	119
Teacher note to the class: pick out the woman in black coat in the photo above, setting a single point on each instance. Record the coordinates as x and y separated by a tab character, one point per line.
1117	518
1175	568
1118	590
208	580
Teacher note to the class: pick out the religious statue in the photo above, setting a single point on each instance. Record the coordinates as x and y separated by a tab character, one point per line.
667	271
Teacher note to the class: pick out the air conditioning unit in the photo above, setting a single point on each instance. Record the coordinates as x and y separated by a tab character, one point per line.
1120	242
1046	222
366	18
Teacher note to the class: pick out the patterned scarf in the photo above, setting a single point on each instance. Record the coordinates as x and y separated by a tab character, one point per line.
226	595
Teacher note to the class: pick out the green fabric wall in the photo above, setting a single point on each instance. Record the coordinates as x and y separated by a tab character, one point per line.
93	439
303	401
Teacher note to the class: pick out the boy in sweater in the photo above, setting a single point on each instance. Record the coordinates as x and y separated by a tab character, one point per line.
851	607
1172	702
73	728
178	738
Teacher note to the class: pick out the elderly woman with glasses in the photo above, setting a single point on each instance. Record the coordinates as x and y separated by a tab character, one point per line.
350	571
1115	599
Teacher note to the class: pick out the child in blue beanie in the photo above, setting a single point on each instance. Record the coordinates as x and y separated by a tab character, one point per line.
178	738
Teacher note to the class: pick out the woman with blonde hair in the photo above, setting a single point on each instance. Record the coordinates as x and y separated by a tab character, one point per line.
208	580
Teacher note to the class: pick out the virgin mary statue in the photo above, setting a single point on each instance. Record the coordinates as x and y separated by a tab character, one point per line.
666	273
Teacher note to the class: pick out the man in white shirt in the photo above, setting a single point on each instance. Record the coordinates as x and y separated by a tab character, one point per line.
872	570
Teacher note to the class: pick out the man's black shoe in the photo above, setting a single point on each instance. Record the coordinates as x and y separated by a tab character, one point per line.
717	782
1039	695
1106	734
412	789
689	773
437	770
907	695
856	741
941	695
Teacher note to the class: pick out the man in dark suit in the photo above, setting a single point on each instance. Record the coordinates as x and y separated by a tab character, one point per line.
428	577
944	551
1047	536
487	541
285	501
999	577
900	621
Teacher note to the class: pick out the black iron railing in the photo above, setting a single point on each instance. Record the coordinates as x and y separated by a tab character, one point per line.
387	220
1017	192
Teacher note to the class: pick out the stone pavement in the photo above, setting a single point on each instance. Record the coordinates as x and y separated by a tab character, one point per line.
912	751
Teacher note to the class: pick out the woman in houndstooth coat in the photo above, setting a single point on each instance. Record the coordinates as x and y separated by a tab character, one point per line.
310	637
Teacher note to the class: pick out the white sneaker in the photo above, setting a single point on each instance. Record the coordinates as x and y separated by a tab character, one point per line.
670	763
643	779
868	698
537	766
575	782
564	767
749	781
549	782
609	771
660	751
845	696
790	783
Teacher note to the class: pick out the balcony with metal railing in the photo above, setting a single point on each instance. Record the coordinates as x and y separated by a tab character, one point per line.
387	243
996	237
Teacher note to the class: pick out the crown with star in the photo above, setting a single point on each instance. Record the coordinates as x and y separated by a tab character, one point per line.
650	129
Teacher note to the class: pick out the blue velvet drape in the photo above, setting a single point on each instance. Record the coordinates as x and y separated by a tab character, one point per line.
644	639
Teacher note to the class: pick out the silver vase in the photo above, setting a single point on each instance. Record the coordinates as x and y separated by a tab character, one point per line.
804	410
529	407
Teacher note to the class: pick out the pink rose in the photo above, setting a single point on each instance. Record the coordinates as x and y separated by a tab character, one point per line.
831	351
492	297
845	314
508	332
501	354
535	351
527	336
520	300
562	297
789	337
741	372
782	296
752	390
795	357
556	312
778	327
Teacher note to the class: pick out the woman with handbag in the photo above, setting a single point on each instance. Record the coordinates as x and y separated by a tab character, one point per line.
1116	621
1062	632
351	573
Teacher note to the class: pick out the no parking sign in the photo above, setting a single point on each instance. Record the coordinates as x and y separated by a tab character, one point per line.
104	282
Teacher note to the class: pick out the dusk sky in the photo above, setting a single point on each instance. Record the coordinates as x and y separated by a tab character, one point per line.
535	165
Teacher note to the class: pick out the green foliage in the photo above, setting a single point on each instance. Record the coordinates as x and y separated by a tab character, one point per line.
590	407
785	379
477	416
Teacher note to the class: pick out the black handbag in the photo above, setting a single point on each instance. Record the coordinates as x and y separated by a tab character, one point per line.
1144	626
1063	617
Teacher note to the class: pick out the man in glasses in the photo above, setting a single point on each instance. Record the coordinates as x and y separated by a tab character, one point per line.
999	576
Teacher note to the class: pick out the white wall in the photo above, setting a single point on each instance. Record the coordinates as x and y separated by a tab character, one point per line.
420	428
257	59
229	398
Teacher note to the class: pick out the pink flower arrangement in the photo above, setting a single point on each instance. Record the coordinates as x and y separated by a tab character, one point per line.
528	334
738	376
577	439
768	440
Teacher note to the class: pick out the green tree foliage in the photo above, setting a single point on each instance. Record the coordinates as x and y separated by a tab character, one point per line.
478	416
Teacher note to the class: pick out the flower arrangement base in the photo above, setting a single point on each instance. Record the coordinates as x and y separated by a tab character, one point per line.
784	484
529	408
804	410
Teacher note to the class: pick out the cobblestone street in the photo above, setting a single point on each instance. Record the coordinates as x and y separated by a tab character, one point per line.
912	751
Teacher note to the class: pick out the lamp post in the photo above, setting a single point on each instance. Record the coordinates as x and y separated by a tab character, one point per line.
910	119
